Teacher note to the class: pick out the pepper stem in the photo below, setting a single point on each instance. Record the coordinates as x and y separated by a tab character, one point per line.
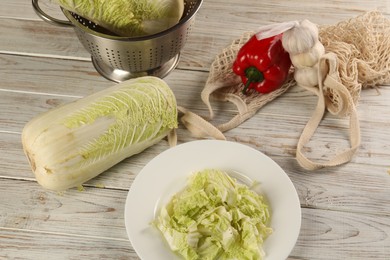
253	75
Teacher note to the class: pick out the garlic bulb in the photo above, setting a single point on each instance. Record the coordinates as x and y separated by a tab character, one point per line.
305	50
300	38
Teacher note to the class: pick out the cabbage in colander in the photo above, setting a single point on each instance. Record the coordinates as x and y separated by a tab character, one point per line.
128	17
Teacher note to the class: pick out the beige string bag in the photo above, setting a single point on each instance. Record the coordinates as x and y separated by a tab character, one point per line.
356	56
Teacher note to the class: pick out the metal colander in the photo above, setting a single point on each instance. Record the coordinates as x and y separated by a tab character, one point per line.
119	58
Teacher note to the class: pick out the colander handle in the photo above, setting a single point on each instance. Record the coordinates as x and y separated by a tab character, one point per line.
48	18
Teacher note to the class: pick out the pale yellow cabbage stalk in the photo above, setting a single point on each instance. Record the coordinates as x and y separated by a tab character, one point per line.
128	17
73	143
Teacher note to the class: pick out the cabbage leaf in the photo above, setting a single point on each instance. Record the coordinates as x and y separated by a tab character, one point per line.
128	17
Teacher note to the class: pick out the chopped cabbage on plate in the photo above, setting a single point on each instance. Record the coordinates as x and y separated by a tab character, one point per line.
215	217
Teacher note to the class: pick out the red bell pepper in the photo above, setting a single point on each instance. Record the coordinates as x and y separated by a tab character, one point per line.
263	65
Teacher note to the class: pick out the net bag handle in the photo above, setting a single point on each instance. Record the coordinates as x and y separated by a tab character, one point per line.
328	78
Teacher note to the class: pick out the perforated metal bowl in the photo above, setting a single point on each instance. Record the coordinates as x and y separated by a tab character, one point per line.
119	58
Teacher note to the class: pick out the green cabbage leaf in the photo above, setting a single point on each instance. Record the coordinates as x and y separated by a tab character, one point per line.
215	217
128	18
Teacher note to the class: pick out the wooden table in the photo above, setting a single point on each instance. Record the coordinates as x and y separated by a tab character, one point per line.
345	209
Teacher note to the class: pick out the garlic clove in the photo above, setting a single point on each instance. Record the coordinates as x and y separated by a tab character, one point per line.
307	77
310	58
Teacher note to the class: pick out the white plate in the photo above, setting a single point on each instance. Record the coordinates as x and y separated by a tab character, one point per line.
167	174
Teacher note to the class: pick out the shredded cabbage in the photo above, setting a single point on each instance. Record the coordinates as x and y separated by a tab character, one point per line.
215	217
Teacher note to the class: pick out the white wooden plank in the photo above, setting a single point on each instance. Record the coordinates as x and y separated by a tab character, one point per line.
351	188
22	244
22	9
342	235
248	10
324	235
95	212
43	38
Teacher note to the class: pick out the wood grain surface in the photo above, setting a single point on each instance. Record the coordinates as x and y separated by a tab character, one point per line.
345	209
